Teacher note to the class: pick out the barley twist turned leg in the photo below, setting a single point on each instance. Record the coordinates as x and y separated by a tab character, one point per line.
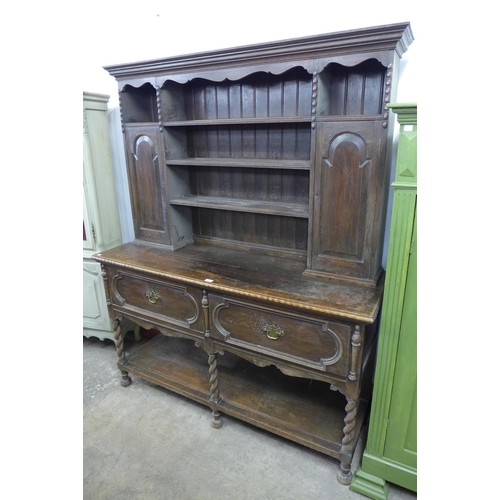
214	389
344	475
120	350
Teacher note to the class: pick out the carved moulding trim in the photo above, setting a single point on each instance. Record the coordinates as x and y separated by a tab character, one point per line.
139	140
220	75
356	344
344	137
406	112
312	66
340	314
395	37
161	317
275	353
158	108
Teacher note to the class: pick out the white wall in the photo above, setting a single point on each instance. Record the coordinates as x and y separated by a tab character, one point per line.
158	29
155	29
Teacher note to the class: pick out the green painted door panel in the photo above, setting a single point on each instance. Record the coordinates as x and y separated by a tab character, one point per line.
403	411
390	455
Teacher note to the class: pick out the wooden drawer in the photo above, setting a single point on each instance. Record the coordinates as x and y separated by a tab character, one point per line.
160	302
293	337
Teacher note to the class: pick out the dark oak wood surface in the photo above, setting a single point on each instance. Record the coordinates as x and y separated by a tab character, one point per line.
241	60
246	274
305	411
259	178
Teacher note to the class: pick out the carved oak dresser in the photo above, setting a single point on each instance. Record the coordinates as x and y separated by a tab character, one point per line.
258	179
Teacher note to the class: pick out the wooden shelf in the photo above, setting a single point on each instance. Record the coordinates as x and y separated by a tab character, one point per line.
238	243
256	121
237	205
242	162
140	124
238	121
294	408
349	118
174	363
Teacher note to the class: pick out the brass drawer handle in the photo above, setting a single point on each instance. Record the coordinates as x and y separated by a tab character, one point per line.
273	332
152	296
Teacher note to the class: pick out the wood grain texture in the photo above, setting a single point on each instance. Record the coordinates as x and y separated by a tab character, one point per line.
378	39
254	275
259	192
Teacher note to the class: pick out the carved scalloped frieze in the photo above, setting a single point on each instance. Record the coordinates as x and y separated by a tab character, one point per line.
351	60
375	40
236	74
136	83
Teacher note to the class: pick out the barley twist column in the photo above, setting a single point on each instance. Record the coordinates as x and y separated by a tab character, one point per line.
344	475
120	350
214	389
212	365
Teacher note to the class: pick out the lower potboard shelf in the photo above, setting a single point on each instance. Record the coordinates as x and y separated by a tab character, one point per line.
174	363
302	410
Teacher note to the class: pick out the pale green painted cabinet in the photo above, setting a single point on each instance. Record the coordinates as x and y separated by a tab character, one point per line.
391	449
101	221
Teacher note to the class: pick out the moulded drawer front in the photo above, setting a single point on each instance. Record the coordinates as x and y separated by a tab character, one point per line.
160	301
312	342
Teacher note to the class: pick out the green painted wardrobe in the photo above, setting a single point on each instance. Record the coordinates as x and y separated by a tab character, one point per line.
391	449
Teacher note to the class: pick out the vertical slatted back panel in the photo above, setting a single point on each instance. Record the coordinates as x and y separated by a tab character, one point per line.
258	184
357	90
259	96
289	186
139	104
282	233
285	141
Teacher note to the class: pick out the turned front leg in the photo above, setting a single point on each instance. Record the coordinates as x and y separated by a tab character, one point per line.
344	475
212	365
120	350
214	390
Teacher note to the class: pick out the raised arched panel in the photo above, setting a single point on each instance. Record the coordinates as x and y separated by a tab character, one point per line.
147	175
344	185
145	159
348	208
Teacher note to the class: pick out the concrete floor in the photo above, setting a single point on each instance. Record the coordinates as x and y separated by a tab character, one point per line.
146	443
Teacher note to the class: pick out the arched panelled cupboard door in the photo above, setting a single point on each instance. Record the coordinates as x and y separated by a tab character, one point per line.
347	206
